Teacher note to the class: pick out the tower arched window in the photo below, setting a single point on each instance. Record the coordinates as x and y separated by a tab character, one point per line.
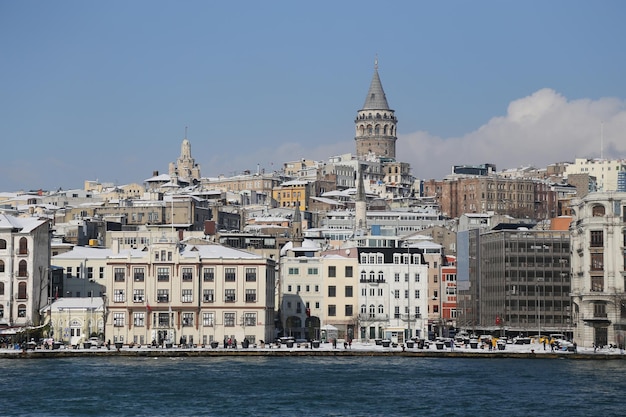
385	130
391	131
23	248
369	129
377	129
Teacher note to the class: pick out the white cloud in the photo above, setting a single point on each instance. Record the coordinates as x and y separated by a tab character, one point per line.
537	130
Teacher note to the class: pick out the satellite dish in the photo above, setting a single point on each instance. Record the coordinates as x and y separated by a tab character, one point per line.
347	251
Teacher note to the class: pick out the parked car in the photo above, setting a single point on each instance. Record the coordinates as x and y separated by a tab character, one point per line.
96	341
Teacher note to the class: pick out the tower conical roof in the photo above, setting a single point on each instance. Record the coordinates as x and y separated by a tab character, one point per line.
376	99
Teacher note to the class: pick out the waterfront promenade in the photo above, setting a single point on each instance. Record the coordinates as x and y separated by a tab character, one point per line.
532	350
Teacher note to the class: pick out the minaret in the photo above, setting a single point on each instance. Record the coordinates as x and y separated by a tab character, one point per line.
360	205
296	228
375	124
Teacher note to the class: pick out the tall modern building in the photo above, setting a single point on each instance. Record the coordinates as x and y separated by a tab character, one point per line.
376	124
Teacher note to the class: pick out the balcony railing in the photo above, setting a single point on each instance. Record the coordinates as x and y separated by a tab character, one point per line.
373	317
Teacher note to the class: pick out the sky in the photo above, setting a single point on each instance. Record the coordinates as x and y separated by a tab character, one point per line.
106	90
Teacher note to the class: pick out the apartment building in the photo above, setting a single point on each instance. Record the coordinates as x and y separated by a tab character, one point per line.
598	289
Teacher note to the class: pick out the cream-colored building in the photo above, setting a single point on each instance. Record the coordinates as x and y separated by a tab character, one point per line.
74	320
605	171
171	292
598	241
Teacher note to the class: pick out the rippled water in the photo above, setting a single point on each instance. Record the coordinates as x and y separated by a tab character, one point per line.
311	386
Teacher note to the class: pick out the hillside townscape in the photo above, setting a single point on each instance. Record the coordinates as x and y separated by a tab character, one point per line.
351	248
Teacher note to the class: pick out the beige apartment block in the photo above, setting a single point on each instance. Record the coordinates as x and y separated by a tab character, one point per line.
189	294
605	171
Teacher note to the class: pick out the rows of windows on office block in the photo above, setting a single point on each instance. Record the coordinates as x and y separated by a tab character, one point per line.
166	319
332	271
187	295
164	274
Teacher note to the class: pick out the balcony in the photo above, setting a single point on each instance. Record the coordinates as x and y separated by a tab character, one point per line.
372	317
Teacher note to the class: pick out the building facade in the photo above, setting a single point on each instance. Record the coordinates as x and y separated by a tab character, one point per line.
599	269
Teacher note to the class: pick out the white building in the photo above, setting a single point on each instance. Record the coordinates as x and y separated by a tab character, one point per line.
605	171
598	262
24	261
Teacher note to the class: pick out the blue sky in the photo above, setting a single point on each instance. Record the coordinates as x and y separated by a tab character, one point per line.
104	90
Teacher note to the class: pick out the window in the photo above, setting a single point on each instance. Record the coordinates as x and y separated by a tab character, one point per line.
101	272
294	271
187	296
1	311
451	290
599	310
69	272
1	288
417	293
90	272
396	312
3	244
23	246
597	261
417	277
597	239
230	274
312	271
348	272
332	310
250	296
348	290
163	296
250	274
187	274
372	311
208	319
187	319
229	319
22	269
118	296
138	296
406	277
332	291
229	295
249	319
21	291
21	310
349	310
396	277
597	284
381	309
396	294
119	275
163	274
164	319
118	319
138	274
208	274
332	271
139	319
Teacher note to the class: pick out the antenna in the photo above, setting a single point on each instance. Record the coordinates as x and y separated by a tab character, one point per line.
376	63
601	140
185	132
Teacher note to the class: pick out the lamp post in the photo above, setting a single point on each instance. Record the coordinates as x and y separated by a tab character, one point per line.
537	288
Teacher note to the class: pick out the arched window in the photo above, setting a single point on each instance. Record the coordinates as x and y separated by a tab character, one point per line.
22	270
381	276
21	291
385	130
1	266
372	276
369	129
21	310
363	276
3	244
1	311
1	288
23	250
372	310
597	210
381	309
377	129
363	309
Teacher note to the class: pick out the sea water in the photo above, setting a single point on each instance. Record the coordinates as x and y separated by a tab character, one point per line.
311	386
